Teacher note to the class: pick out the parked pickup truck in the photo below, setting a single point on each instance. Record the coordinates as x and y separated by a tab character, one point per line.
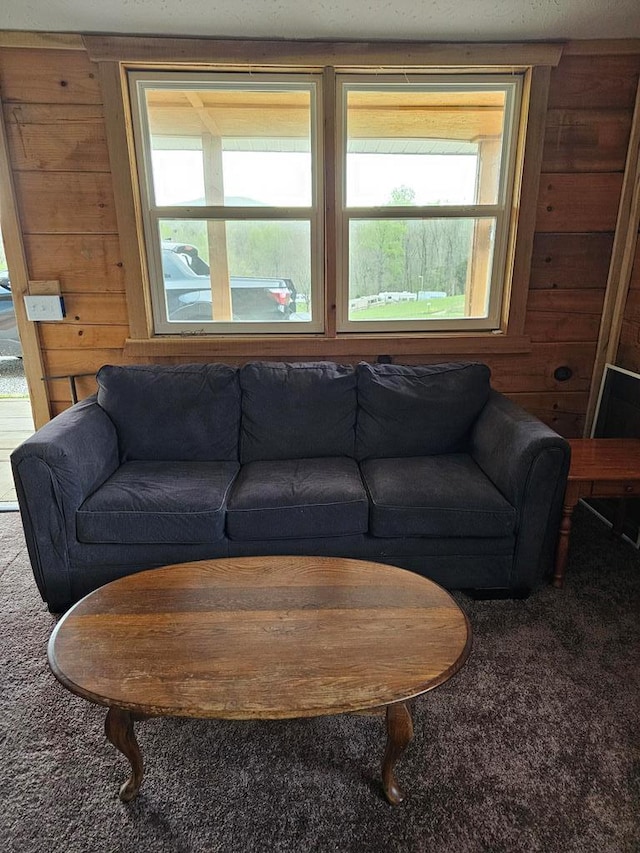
188	289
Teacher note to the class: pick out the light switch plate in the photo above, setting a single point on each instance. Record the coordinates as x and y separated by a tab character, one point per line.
44	307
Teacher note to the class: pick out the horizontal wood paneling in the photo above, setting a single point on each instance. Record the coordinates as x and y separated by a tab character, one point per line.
59	389
570	301
586	82
535	372
96	308
629	348
571	260
65	362
632	309
66	203
532	372
82	263
578	202
564	412
564	314
586	140
61	170
547	326
58	137
74	336
48	77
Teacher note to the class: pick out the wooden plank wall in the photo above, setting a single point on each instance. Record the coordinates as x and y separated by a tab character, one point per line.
589	119
55	124
54	115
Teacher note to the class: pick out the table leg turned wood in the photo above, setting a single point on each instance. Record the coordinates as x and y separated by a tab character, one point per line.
399	735
562	552
118	728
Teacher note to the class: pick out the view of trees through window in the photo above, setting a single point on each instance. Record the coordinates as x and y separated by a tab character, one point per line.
235	193
408	268
398	268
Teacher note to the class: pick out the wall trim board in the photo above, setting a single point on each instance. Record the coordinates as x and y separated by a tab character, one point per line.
76	41
51	41
533	146
117	129
309	346
342	53
601	47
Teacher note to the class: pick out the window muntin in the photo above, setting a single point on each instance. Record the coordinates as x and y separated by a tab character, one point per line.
412	153
421	153
227	159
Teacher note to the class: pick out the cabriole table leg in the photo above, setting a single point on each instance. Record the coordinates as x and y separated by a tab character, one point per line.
399	734
118	728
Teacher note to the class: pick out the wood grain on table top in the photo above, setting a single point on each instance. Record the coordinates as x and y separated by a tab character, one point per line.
260	637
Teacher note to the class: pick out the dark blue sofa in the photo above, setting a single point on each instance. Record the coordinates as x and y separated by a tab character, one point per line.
422	467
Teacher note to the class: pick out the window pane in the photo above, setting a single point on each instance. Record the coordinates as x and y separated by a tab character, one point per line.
236	271
419	269
413	145
231	144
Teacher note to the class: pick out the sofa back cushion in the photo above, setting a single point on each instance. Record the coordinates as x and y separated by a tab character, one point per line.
417	411
173	413
297	411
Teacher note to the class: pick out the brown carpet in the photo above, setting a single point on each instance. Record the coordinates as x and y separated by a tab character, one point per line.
533	746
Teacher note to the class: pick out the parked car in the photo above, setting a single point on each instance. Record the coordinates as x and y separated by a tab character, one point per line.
9	339
188	288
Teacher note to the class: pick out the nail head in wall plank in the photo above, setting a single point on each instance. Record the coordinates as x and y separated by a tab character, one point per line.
99	309
48	77
571	260
77	336
578	202
84	263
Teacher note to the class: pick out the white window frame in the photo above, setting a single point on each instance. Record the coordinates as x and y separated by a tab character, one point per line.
152	213
468	80
505	211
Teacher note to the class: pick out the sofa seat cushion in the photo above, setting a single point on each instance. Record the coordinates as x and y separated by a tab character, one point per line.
446	495
159	502
297	498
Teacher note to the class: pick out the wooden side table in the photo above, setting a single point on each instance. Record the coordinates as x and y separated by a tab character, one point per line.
603	468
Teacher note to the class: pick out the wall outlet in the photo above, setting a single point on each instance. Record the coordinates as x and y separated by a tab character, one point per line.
44	307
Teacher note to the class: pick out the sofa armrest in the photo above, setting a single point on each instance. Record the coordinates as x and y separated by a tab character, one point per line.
54	471
528	462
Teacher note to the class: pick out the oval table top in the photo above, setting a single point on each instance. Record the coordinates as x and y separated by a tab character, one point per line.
260	637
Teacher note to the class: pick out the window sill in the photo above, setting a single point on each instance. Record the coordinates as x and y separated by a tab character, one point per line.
310	346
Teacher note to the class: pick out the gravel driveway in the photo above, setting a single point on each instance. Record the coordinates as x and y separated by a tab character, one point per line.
12	380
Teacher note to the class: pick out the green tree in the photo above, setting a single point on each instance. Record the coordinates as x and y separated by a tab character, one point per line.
402	196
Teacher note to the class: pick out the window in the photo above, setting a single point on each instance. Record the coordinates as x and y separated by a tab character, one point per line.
231	196
236	187
425	195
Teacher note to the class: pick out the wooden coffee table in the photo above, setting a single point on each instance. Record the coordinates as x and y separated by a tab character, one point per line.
260	638
602	468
